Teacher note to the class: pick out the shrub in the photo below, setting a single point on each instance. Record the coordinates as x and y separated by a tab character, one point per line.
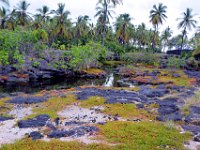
87	56
114	47
175	62
14	44
3	58
142	57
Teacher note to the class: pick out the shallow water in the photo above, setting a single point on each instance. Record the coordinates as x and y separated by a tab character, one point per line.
109	81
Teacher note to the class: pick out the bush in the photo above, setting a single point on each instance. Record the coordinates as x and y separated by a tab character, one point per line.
114	47
87	56
142	57
176	63
15	44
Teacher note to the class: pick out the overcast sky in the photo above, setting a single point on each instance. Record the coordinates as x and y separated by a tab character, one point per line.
139	10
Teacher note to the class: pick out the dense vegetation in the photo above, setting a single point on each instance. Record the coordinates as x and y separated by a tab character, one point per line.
22	32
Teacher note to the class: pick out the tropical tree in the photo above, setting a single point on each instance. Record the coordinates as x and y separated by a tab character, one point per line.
141	35
22	16
82	27
123	26
104	10
62	20
44	12
3	17
167	33
157	16
186	22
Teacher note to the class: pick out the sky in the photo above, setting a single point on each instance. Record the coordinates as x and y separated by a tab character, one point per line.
138	9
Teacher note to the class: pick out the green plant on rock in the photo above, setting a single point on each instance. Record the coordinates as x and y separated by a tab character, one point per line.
142	57
176	63
87	56
3	58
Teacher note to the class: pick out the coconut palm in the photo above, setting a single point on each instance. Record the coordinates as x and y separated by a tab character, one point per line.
104	10
187	22
122	27
44	12
62	20
167	33
23	17
157	16
3	17
82	27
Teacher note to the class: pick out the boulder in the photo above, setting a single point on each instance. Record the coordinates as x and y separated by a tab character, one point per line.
3	118
36	135
76	132
27	100
38	121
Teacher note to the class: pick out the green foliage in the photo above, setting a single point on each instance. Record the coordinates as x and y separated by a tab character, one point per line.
142	57
36	64
87	56
144	135
3	57
14	44
40	34
175	62
62	47
114	47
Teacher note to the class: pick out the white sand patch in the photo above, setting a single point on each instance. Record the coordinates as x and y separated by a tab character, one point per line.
76	113
192	145
20	112
9	133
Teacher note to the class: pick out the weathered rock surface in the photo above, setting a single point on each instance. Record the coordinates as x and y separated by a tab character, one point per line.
3	118
76	132
27	100
36	135
38	121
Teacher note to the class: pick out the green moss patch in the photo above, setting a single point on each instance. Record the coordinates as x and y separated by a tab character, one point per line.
143	136
52	106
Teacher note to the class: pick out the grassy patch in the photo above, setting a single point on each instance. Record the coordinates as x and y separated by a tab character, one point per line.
53	105
5	107
122	110
113	63
3	100
28	144
143	136
193	101
94	71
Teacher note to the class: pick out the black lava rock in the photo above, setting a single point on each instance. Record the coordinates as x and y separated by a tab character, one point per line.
36	135
27	100
38	121
77	132
3	118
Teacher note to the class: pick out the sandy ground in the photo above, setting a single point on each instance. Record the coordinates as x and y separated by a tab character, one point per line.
9	132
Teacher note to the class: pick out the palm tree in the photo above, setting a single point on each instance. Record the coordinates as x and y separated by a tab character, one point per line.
105	10
3	17
141	35
187	22
62	20
157	15
22	15
167	33
44	12
82	27
123	26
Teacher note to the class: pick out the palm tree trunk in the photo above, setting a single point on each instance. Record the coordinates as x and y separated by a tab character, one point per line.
153	40
104	24
182	39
